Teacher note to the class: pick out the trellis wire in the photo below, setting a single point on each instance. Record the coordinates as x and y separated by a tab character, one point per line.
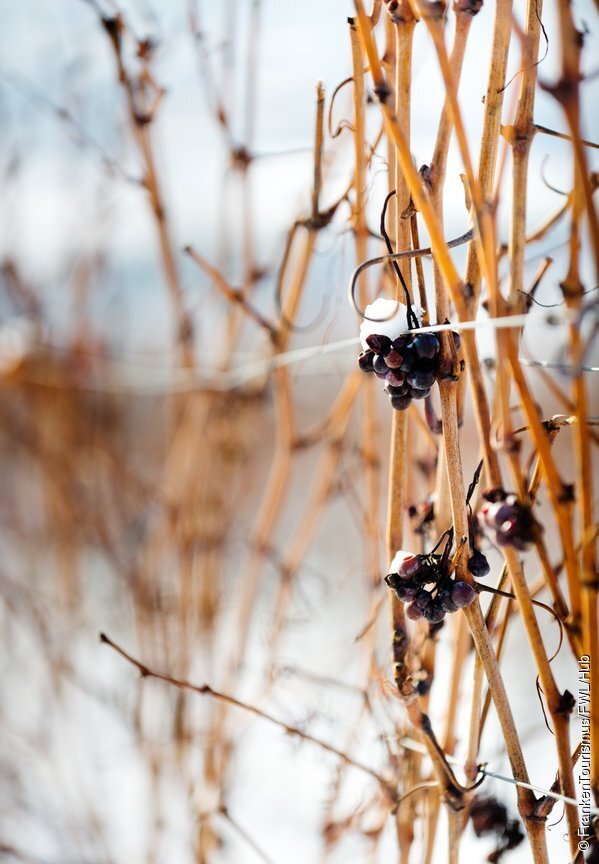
410	744
185	380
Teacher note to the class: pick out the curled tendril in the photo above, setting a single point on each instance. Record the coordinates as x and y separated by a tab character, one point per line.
396	256
546	181
489	590
539	61
479	780
344	124
412	320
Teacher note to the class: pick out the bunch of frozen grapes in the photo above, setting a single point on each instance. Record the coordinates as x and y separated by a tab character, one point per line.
408	365
508	520
490	816
411	574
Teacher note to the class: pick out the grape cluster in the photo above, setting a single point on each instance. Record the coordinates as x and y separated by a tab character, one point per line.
412	573
408	365
490	816
508	520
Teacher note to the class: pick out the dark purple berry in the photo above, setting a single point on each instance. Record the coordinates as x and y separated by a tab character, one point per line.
404	390
409	566
444	598
409	359
400	403
510	527
395	378
414	612
426	366
462	594
501	513
394	391
478	565
393	359
379	344
365	361
434	612
426	345
406	592
379	366
402	342
420	380
415	393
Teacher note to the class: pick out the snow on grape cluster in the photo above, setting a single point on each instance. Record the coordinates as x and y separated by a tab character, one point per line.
408	362
408	365
423	582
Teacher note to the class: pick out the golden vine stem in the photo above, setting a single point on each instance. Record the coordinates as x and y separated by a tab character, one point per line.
369	425
526	802
401	34
448	358
567	91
